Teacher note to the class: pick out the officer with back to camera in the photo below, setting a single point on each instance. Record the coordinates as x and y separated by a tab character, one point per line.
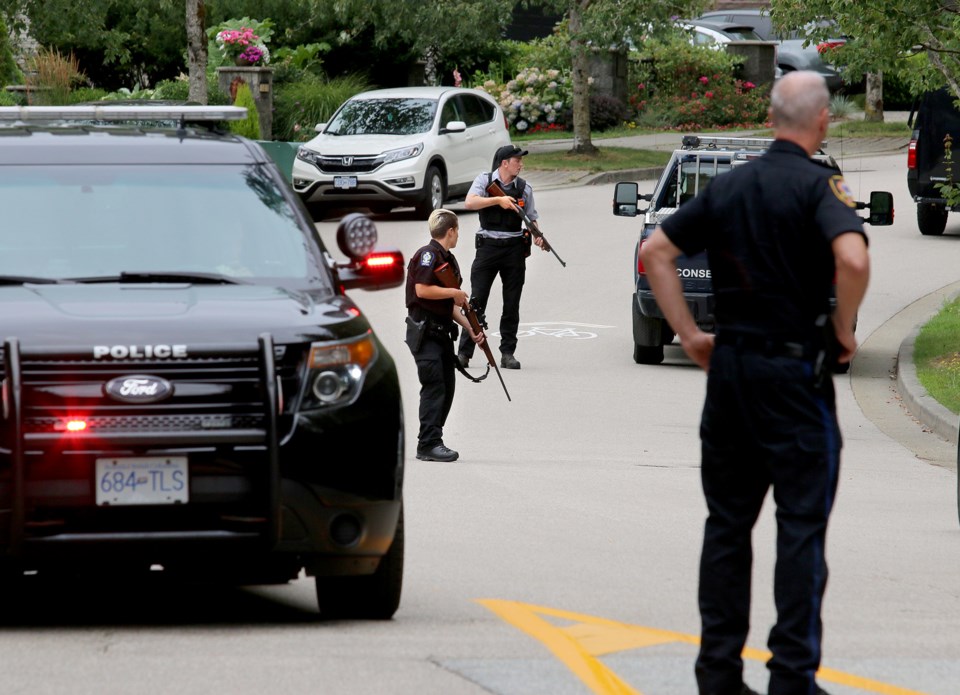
777	231
432	314
502	247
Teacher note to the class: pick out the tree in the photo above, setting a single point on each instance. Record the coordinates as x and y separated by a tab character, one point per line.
602	25
197	50
919	40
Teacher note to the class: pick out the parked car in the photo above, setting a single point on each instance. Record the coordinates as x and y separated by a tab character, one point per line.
792	54
934	117
188	391
692	168
708	33
409	146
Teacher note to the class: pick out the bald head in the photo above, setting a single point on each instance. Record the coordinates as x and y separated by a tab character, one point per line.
800	108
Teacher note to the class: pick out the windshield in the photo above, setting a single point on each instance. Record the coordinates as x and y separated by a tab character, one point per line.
690	178
64	222
383	117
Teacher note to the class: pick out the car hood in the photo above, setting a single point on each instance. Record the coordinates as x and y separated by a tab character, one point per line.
362	144
78	316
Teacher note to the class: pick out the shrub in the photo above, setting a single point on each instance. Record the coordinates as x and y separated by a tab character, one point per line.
9	70
299	106
533	96
676	85
54	76
179	90
7	99
83	95
249	127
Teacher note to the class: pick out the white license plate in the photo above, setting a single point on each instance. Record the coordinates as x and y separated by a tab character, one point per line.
142	480
344	181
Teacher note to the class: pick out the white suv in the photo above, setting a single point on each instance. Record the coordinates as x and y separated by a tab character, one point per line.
409	146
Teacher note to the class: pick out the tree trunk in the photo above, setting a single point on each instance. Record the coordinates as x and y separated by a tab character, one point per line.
197	50
582	143
873	105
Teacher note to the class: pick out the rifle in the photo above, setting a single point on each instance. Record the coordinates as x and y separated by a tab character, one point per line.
494	191
448	278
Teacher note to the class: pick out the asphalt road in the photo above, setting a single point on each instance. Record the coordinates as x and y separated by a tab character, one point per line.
559	554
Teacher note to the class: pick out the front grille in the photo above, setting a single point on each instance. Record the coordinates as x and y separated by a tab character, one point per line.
358	164
150	423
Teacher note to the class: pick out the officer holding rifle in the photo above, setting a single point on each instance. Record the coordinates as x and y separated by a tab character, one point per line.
502	246
433	312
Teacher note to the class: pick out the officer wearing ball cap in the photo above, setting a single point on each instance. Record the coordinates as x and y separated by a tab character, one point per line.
502	246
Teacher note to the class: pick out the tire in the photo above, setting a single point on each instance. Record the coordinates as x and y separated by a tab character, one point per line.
434	193
931	218
370	597
318	211
648	334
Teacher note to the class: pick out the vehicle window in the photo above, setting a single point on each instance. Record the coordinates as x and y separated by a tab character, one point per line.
702	39
230	220
475	110
450	113
383	117
691	178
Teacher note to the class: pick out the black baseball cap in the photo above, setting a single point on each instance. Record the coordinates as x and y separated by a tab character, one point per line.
506	152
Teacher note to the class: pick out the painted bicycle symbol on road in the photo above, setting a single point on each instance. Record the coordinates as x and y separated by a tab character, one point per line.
557	329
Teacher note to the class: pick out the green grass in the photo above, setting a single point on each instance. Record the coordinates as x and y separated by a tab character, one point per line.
610	159
864	129
936	356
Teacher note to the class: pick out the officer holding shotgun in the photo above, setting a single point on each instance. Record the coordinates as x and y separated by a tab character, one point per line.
502	247
432	314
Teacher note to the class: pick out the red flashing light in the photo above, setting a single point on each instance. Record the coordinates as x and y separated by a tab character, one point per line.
640	269
912	154
75	425
380	261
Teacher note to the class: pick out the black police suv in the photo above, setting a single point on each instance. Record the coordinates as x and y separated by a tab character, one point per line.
186	385
933	118
690	170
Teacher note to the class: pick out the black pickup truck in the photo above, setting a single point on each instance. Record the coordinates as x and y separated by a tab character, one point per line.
934	117
187	388
691	168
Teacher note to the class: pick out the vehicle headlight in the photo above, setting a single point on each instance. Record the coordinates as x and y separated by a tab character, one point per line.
403	153
336	370
308	156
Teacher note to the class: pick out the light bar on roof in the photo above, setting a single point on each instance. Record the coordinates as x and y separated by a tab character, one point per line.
189	114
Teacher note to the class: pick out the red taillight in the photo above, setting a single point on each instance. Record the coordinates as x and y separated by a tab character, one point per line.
640	269
825	46
72	425
912	154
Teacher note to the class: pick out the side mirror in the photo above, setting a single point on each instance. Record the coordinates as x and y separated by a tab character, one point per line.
319	127
880	207
453	127
625	197
368	268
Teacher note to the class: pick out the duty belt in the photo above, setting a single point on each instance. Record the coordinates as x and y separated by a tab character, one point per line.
490	241
769	347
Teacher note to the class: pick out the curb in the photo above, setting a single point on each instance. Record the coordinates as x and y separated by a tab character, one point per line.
927	410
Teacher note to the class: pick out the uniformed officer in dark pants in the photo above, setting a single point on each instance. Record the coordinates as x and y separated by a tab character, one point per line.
432	314
776	232
502	247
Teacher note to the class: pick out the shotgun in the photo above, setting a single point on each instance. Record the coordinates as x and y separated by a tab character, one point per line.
494	191
448	278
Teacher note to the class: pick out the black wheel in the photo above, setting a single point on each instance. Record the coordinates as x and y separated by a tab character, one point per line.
372	597
434	193
318	211
646	354
931	218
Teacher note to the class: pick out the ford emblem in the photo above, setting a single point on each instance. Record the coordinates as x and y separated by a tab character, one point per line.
138	388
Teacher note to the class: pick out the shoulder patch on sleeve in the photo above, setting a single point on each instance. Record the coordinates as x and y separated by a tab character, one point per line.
842	191
426	259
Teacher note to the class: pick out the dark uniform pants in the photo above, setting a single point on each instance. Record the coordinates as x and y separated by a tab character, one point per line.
765	424
508	258
437	375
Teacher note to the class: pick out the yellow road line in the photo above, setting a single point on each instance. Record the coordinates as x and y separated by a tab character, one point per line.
585	637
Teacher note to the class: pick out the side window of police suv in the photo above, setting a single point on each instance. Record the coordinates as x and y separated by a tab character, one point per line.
692	181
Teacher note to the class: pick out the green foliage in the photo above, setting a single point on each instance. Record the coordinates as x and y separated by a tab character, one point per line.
289	64
7	99
219	54
82	95
936	357
301	105
949	188
179	90
53	76
841	106
249	127
673	84
10	72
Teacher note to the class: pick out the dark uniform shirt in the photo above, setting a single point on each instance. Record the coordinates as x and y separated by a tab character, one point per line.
767	228
423	262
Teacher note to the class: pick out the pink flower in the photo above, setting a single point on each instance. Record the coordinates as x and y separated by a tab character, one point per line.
641	86
457	79
709	95
749	85
704	80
